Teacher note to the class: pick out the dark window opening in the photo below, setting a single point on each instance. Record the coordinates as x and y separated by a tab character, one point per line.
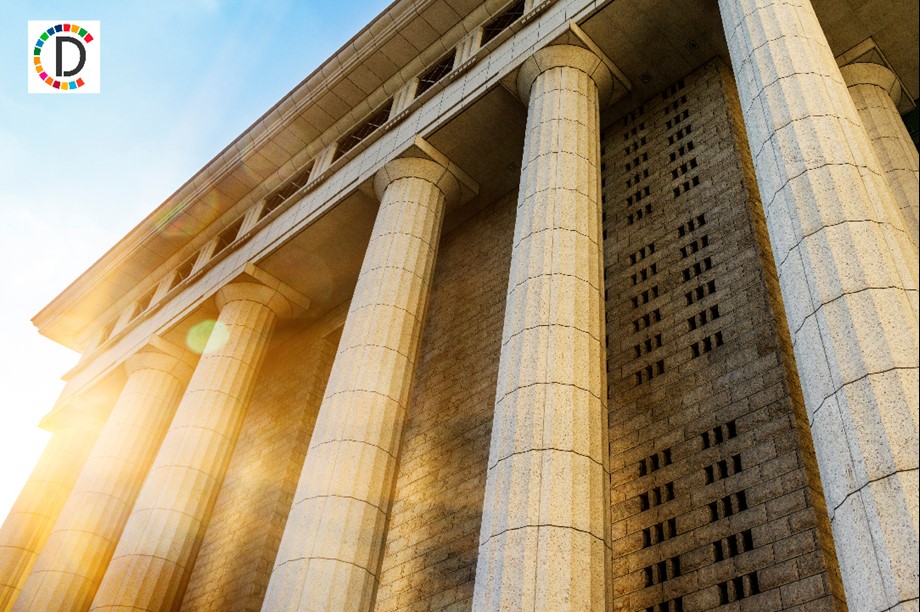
912	121
108	329
287	190
228	235
435	73
501	23
185	269
368	127
143	303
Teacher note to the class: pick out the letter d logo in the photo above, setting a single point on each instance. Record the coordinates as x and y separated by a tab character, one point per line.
64	57
59	44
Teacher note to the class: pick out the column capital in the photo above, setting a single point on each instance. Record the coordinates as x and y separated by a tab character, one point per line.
179	368
252	283
572	56
862	73
237	291
420	168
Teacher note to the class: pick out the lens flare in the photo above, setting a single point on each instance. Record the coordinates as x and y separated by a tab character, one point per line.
208	336
165	219
179	221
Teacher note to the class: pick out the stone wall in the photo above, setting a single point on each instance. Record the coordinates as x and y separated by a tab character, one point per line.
715	491
433	537
238	551
715	494
430	555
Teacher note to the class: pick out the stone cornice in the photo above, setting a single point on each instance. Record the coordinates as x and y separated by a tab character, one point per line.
405	139
322	80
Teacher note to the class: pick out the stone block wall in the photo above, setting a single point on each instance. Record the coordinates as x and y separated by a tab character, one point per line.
716	499
429	561
432	541
238	551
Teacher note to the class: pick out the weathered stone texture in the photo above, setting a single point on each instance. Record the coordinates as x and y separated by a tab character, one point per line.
544	540
715	495
156	554
330	553
77	553
876	91
429	561
29	522
239	547
848	273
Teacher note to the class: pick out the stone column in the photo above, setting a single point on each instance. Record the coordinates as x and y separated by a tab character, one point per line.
329	555
876	92
850	294
155	555
28	524
544	543
73	561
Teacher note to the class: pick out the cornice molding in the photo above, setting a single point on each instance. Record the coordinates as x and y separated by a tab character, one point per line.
318	83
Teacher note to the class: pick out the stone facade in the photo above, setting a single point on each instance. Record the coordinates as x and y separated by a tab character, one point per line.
499	312
249	516
432	541
715	488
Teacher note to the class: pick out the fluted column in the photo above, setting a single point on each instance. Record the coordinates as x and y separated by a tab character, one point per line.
28	524
876	92
544	543
155	555
849	292
329	556
75	557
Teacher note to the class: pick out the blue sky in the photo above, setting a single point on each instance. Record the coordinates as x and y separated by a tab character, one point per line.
180	80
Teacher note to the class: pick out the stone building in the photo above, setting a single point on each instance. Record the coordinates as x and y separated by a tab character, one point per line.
513	305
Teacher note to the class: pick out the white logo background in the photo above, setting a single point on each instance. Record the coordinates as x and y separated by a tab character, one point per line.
90	71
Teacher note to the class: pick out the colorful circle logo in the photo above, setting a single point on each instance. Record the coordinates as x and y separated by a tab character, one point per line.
77	38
